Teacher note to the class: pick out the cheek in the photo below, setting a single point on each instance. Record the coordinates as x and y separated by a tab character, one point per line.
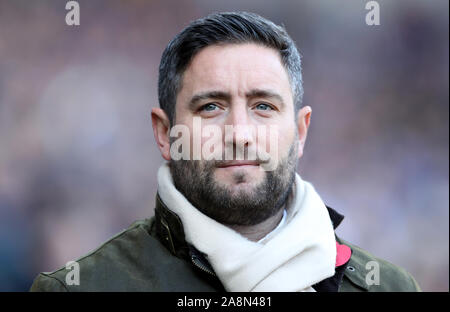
277	140
211	143
286	142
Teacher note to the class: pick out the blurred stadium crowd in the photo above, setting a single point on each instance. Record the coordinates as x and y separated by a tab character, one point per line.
78	161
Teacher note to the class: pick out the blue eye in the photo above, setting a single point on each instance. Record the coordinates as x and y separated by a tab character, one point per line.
209	107
263	106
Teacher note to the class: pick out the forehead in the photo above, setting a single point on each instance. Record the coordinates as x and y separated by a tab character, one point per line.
236	68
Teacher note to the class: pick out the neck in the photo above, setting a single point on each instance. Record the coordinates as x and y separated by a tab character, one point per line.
258	231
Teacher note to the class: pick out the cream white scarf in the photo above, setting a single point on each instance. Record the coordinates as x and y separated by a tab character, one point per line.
300	254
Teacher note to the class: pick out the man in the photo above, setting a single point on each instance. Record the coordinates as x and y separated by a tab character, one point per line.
231	212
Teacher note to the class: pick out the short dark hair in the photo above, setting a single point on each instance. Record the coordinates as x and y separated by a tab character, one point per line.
217	28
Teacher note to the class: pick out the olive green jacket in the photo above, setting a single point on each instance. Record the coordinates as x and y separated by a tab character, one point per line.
152	255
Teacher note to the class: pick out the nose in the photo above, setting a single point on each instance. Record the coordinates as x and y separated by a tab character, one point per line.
239	130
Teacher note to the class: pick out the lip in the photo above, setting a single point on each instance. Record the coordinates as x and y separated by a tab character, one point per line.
238	164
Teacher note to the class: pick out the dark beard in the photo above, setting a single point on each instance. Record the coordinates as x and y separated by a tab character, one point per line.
195	180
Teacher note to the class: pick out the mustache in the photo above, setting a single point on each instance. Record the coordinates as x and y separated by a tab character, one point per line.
233	154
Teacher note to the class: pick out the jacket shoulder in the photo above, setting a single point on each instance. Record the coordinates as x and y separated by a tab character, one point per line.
95	269
366	272
45	282
132	260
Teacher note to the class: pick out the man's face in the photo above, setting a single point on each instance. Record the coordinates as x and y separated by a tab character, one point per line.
244	86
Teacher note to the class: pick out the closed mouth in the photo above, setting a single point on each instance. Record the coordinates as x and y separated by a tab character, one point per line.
238	164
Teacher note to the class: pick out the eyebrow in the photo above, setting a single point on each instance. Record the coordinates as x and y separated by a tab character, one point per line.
262	93
220	95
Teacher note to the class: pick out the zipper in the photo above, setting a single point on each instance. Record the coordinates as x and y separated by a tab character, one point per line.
198	263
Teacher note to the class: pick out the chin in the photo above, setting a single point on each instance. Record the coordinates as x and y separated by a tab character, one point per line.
237	188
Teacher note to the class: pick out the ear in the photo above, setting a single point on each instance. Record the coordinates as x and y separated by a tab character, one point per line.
161	129
303	120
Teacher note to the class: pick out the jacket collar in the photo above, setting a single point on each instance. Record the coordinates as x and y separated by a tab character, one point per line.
170	232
